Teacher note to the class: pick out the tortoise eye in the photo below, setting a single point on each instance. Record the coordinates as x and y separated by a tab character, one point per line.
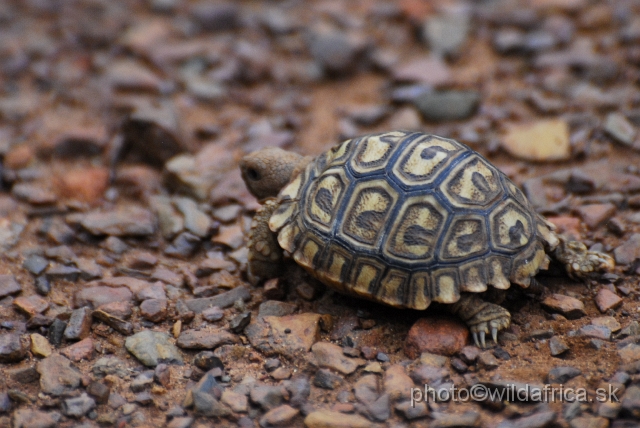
253	174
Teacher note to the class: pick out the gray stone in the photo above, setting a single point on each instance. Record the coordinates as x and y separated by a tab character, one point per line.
445	33
509	40
331	356
152	348
326	379
110	365
79	325
631	402
596	344
203	397
206	360
143	398
440	106
142	381
58	272
195	221
409	93
379	410
425	374
57	375
562	374
168	276
115	245
182	421
446	420
119	325
33	194
78	406
469	354
239	322
154	310
62	254
620	129
89	269
487	361
222	300
56	332
290	335
5	402
334	51
213	314
151	291
238	402
412	411
609	409
218	16
162	375
366	389
171	223
541	334
12	349
116	400
268	397
276	308
279	416
557	346
31	418
129	221
208	405
101	295
329	418
23	374
271	364
299	388
625	254
99	391
9	285
570	307
43	285
537	420
35	264
595	331
204	339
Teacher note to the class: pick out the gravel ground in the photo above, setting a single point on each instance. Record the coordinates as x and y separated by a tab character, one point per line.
124	299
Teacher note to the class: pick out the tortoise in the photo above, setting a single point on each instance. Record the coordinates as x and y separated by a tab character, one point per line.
405	219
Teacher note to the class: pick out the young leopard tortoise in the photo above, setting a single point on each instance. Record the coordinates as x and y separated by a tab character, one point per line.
405	219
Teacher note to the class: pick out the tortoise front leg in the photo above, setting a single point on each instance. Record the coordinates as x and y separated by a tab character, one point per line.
481	317
579	261
265	255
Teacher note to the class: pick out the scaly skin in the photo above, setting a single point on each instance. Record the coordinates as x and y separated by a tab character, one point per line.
481	317
265	255
579	262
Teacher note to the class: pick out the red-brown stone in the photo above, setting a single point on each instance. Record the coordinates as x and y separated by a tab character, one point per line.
606	299
82	350
438	335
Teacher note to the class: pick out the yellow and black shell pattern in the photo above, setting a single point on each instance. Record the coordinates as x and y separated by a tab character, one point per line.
407	218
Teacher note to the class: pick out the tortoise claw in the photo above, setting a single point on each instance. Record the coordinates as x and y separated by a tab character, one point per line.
475	339
494	334
482	342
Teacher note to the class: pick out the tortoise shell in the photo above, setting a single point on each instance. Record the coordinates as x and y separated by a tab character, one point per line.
407	218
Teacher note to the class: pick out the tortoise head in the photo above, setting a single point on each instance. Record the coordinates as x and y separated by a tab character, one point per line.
267	171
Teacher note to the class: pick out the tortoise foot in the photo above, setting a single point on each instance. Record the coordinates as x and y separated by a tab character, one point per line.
579	261
482	318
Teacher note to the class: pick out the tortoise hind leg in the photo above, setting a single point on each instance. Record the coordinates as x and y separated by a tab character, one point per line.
481	317
265	255
579	261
